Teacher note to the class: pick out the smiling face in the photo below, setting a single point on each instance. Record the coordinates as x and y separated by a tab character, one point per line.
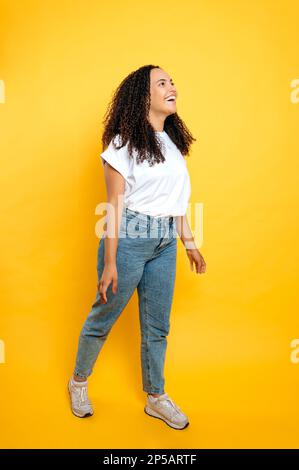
163	96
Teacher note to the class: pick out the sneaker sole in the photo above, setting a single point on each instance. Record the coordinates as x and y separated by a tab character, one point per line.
154	414
87	415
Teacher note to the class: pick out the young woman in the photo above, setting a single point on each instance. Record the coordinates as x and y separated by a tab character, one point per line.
148	190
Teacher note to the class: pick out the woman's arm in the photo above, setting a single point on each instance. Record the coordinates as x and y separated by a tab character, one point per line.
115	187
185	234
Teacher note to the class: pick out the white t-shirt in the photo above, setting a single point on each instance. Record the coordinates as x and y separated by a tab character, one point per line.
160	190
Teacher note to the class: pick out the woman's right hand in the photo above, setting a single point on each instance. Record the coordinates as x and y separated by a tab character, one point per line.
109	275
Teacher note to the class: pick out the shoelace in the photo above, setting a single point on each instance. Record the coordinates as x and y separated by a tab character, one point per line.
83	395
167	399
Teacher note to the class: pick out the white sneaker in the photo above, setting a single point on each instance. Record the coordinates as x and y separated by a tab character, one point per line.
164	408
80	403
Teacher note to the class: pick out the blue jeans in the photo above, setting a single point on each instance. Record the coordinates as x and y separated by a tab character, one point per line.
146	259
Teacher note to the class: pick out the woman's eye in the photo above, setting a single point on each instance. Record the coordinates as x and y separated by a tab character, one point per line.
163	83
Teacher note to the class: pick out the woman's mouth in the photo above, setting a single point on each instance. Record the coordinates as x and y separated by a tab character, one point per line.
171	99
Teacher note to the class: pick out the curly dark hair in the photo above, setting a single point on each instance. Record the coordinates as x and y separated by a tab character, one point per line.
126	116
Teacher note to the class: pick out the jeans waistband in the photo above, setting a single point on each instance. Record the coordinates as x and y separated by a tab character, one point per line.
148	218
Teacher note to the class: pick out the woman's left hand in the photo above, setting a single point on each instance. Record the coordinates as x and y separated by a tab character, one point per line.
196	258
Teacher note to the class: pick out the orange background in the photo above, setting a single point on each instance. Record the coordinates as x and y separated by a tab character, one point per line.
228	364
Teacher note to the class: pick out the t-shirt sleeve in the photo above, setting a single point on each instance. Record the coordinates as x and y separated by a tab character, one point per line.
118	158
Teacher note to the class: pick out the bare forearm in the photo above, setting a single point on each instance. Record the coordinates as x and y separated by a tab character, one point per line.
114	213
184	232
